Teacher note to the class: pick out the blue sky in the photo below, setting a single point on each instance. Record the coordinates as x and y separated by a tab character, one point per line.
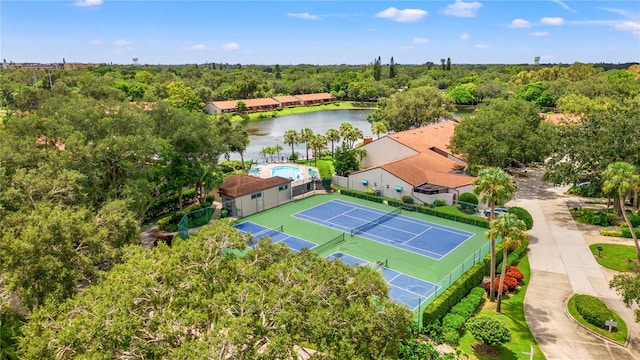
320	32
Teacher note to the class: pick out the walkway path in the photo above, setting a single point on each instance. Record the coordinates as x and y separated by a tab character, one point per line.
561	265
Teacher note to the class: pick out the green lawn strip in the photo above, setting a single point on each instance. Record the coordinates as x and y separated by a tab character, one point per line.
614	256
513	316
339	105
619	336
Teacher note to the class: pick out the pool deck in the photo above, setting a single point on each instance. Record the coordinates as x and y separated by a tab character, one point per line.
263	170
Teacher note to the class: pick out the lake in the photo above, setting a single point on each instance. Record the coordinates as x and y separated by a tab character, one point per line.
270	132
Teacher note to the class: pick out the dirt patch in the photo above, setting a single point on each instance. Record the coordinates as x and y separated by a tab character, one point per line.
485	350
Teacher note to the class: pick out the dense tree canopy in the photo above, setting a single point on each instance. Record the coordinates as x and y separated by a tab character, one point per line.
501	133
415	108
200	299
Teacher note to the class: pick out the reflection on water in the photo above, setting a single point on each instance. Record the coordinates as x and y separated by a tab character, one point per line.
270	132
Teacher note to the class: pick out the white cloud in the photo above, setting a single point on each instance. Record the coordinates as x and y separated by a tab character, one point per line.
231	46
418	40
556	21
539	34
519	24
482	46
464	36
462	9
406	15
122	42
304	16
564	6
199	47
95	42
628	26
88	3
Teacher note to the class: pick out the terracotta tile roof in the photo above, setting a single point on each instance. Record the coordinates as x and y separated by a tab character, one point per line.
424	138
314	97
286	99
241	184
260	102
224	105
428	167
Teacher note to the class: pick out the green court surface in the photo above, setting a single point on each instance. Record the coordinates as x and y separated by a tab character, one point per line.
441	272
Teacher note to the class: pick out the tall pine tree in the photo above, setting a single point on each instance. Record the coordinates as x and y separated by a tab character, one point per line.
392	69
377	69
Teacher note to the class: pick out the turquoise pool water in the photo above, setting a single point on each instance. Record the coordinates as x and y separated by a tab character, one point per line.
287	172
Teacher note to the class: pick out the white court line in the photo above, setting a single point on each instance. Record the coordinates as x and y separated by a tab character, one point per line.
367	263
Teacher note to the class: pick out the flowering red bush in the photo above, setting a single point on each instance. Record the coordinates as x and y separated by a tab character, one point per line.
510	282
487	285
515	273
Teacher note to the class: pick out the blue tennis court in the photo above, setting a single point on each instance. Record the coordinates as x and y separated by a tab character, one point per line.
258	232
417	236
403	289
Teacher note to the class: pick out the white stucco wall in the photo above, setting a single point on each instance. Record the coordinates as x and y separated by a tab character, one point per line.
381	180
384	150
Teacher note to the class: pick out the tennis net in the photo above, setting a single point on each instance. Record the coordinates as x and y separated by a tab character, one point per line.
366	226
329	244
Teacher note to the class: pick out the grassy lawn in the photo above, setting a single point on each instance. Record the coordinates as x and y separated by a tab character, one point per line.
338	105
614	256
619	336
513	316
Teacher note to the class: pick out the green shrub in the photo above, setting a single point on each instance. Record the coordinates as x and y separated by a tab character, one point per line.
513	256
616	233
626	233
597	217
635	219
394	202
455	292
469	198
488	330
468	203
453	321
451	336
523	215
439	202
407	199
593	310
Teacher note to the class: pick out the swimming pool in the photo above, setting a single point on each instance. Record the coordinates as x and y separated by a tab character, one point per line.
287	172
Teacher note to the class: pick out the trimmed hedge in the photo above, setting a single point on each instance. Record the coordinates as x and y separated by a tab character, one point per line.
626	233
593	310
522	214
457	291
513	256
361	195
615	233
463	218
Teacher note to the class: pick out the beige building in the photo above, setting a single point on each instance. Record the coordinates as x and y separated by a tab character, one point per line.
413	163
244	195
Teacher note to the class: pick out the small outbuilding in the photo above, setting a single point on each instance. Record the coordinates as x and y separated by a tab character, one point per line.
244	195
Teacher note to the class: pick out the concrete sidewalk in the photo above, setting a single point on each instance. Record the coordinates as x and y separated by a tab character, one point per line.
561	265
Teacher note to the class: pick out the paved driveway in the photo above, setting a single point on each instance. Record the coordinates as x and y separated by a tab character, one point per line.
561	265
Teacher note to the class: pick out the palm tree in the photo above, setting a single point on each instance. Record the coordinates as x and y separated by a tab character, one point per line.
378	128
622	178
317	143
291	138
305	135
277	149
513	232
333	135
494	186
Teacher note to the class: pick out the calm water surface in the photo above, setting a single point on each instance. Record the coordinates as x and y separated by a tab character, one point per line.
270	132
